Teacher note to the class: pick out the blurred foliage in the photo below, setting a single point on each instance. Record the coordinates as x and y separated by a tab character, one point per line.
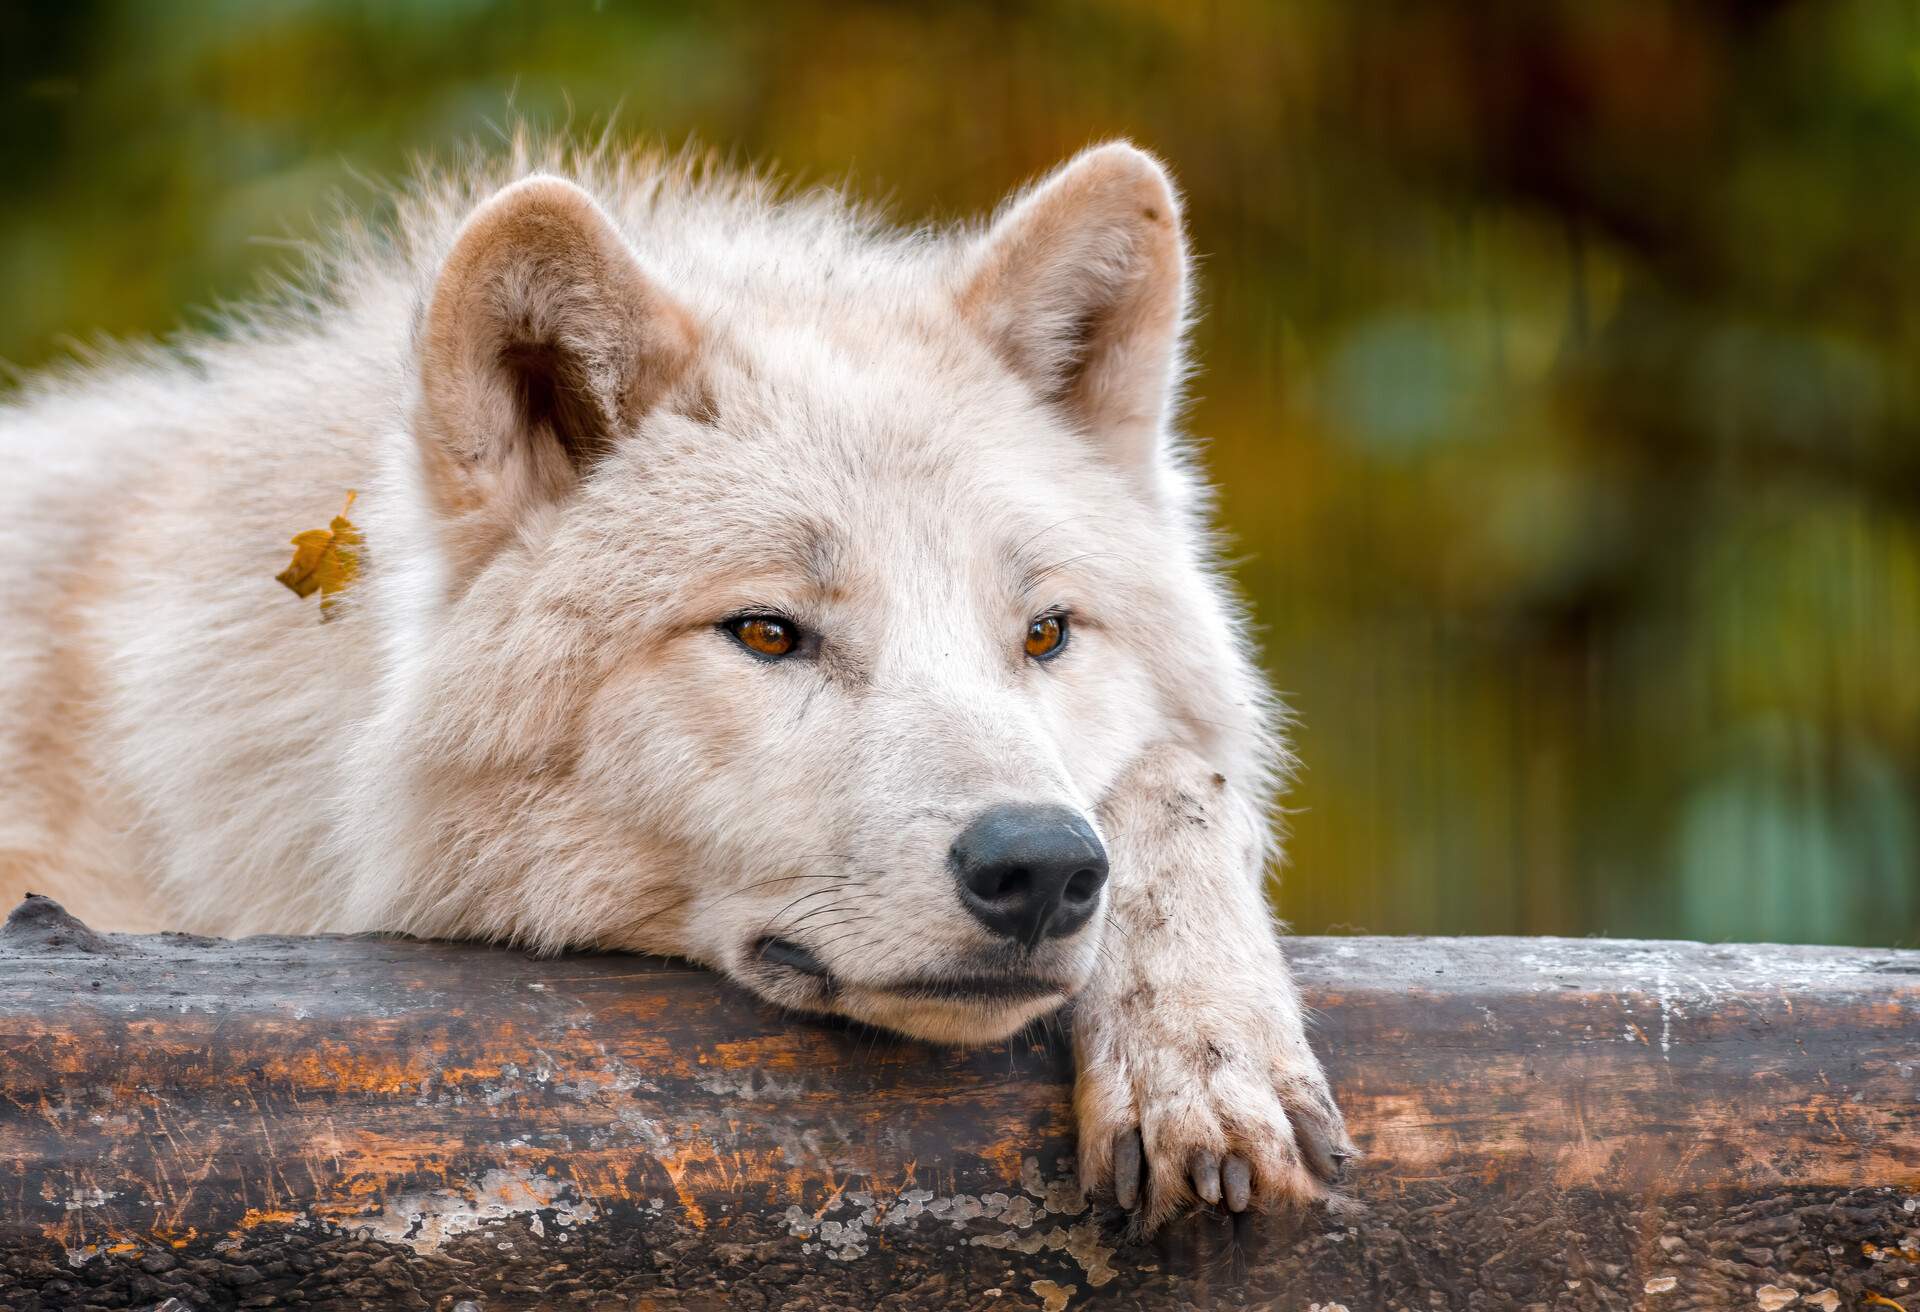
1558	361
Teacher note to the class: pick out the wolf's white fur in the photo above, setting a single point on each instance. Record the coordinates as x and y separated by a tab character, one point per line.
522	722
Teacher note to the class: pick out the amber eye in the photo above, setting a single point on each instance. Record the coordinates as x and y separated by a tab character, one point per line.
765	635
1046	636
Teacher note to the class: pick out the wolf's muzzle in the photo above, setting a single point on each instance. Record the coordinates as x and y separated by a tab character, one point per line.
1030	872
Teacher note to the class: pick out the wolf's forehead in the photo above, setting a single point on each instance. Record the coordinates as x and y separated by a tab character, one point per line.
830	466
879	438
833	512
831	516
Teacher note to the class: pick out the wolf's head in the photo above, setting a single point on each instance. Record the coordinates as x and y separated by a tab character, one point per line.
789	595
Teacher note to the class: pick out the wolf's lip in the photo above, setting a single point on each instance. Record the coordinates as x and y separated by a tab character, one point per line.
974	988
928	988
785	952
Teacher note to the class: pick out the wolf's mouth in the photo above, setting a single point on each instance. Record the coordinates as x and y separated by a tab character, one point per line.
785	952
973	988
925	988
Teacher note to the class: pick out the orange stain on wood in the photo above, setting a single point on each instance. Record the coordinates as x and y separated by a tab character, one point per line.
826	1204
690	1208
1005	1156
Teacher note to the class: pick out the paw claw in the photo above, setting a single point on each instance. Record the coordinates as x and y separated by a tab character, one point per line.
1316	1151
1321	1146
1205	1173
1237	1175
1127	1155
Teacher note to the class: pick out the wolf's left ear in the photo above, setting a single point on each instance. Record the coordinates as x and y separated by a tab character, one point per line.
544	342
1081	288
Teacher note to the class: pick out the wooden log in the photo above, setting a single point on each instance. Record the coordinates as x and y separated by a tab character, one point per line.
380	1124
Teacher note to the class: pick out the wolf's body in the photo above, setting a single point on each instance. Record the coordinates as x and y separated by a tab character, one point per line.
586	439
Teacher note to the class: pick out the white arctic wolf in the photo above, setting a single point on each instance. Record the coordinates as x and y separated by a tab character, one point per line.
740	580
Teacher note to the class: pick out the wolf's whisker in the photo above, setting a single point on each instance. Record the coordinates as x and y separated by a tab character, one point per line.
804	897
795	927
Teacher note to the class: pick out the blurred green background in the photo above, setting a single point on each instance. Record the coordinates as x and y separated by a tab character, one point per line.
1558	362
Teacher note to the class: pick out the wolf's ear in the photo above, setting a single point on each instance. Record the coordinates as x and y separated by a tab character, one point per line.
544	341
1081	287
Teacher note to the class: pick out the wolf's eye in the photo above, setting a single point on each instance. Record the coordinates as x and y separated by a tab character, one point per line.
765	635
1046	636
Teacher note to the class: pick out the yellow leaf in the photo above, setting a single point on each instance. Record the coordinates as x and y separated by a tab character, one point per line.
325	560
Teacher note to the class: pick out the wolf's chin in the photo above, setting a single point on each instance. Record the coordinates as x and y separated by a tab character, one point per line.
976	1012
983	998
941	1020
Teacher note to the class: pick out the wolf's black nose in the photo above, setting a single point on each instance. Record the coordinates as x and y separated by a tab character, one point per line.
1030	872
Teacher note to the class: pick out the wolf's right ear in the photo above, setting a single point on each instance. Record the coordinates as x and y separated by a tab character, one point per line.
544	342
1081	286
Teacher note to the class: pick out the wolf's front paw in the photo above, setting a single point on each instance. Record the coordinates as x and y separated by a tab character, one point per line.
1202	1098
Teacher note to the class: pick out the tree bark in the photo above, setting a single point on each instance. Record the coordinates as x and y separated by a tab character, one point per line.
383	1124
